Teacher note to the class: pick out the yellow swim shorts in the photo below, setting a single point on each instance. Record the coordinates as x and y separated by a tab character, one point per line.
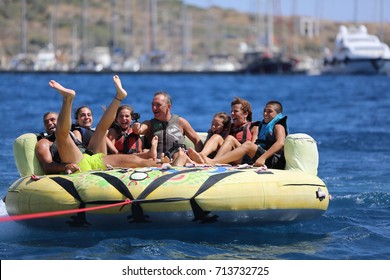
94	162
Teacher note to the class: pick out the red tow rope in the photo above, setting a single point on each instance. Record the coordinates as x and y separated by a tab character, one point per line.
62	212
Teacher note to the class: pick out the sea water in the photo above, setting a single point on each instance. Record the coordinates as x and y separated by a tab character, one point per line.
346	115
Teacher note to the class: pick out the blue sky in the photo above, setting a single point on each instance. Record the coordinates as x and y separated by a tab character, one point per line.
339	10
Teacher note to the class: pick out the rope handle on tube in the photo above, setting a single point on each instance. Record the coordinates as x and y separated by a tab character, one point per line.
62	212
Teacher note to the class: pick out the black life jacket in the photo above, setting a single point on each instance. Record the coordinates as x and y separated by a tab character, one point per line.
45	135
54	149
211	133
86	133
270	137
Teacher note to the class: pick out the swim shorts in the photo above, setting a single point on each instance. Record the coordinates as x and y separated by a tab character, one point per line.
92	162
276	161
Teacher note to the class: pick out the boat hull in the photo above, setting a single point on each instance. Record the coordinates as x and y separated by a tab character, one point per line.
357	66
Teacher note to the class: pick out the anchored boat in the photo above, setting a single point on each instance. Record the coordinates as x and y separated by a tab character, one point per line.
357	52
177	195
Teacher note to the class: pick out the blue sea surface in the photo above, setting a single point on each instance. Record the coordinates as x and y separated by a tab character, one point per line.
346	115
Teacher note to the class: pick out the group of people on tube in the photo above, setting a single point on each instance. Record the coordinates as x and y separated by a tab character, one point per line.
119	140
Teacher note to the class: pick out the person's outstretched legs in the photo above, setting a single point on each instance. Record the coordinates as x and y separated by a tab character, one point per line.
229	144
234	156
152	152
98	143
195	156
212	145
66	147
146	159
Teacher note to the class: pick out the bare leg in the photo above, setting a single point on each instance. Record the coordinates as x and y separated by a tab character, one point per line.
208	160
229	144
195	156
98	140
165	159
66	147
153	149
180	159
132	160
146	159
212	145
152	152
235	155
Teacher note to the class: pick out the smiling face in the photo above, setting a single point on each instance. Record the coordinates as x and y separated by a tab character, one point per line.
84	117
161	108
269	113
217	126
239	117
50	122
124	118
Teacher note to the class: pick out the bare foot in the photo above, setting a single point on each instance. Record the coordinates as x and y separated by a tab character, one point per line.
65	92
181	158
195	156
120	92
207	160
165	159
153	149
190	162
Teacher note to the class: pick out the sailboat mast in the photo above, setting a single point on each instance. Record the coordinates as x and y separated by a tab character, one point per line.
23	33
74	43
84	28
53	26
293	47
184	28
355	11
128	27
153	24
382	33
258	25
270	27
114	25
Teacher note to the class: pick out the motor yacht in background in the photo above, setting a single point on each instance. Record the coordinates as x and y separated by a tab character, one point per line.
357	52
46	59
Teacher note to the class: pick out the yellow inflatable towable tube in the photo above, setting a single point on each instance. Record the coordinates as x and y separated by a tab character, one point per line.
178	195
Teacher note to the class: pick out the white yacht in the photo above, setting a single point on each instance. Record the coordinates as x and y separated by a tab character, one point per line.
356	52
46	59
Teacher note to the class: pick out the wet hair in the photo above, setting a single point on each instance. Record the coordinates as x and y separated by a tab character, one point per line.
168	98
277	104
77	112
245	106
48	113
226	119
122	107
